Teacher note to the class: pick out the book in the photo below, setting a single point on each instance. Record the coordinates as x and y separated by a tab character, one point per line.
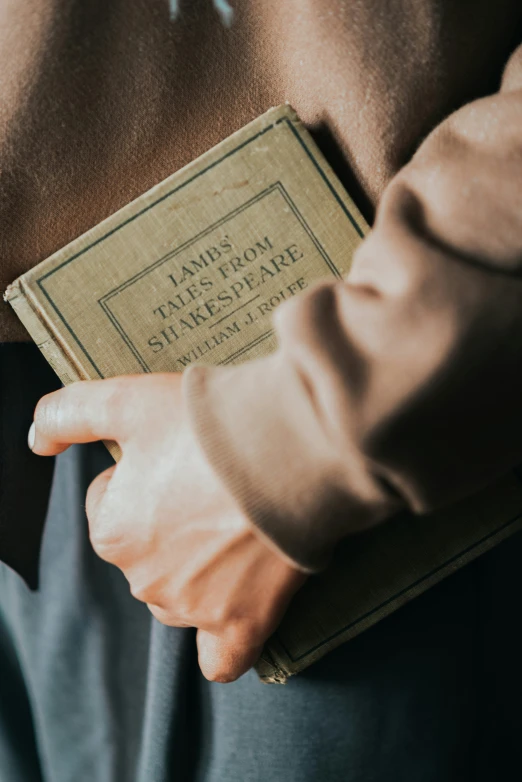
191	272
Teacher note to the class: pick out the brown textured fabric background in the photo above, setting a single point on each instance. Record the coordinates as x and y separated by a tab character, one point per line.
409	374
101	100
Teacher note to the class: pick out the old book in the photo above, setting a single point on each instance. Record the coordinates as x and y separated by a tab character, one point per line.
191	271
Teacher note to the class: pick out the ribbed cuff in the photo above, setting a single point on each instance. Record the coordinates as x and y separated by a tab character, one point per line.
227	418
260	433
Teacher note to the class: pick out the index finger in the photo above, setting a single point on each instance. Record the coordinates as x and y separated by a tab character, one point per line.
83	412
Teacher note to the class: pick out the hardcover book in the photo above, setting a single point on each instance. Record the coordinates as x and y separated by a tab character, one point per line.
191	271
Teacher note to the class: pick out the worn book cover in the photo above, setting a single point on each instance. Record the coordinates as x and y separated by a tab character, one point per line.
192	271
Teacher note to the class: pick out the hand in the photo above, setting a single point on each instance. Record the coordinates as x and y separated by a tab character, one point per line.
165	519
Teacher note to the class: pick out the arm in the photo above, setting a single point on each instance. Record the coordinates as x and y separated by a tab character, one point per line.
403	384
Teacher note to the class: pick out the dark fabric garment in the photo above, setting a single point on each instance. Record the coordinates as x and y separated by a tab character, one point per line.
92	688
25	479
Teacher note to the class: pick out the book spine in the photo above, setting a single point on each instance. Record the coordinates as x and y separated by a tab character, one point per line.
42	333
49	344
268	670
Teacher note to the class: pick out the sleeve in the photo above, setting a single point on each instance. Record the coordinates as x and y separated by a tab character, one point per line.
400	386
25	479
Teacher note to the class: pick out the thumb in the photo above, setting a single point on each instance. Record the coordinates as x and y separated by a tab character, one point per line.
221	661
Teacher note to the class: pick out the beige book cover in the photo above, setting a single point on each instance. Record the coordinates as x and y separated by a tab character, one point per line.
191	271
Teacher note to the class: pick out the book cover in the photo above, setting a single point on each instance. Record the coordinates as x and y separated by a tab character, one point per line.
191	272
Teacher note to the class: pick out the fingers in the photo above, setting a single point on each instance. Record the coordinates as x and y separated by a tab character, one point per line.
165	617
96	492
80	413
221	661
110	536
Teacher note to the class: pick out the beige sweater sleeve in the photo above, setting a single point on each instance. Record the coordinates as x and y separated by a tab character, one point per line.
402	385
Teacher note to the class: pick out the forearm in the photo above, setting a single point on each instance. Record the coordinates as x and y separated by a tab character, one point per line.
402	384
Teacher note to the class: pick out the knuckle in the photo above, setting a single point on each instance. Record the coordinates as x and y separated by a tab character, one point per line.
215	616
92	498
148	587
186	613
106	542
158	613
145	593
247	632
219	618
164	616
